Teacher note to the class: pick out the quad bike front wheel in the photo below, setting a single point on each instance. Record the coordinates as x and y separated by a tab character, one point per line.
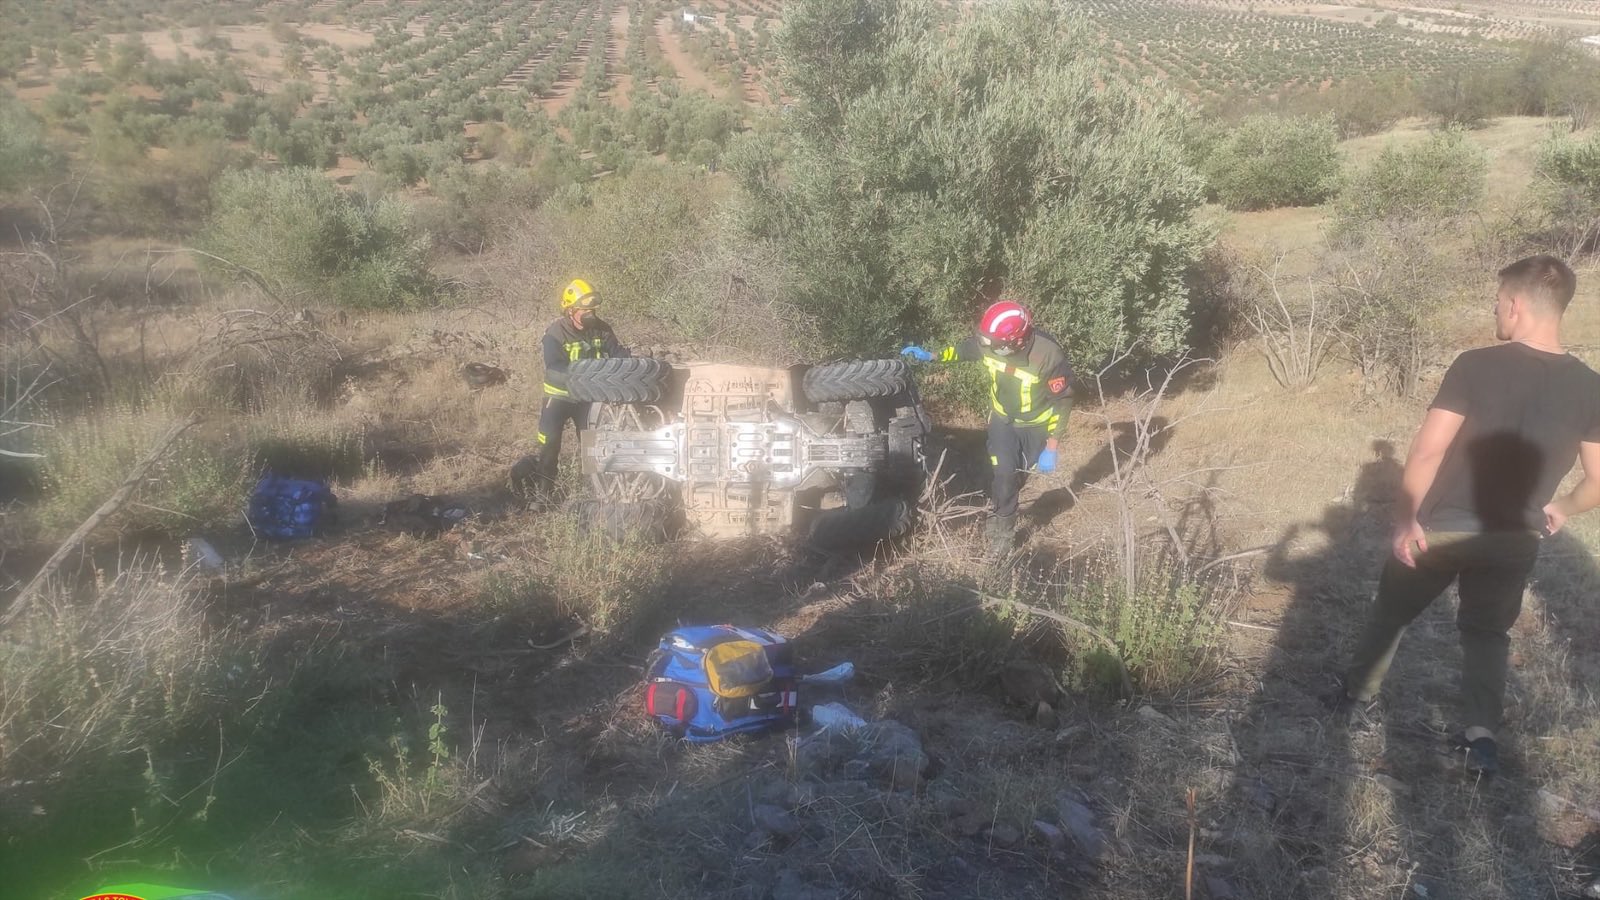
860	528
628	487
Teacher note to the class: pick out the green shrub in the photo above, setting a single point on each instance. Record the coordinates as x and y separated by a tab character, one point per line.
920	165
1437	179
197	484
306	240
602	581
1467	97
84	681
1568	191
1269	161
25	154
633	232
1168	629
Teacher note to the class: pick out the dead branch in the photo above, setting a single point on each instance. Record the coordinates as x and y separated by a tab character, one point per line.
113	503
989	601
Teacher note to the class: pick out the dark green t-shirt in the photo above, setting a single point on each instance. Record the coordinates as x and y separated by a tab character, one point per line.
1526	412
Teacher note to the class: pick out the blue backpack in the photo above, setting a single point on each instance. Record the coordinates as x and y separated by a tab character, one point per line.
707	682
286	508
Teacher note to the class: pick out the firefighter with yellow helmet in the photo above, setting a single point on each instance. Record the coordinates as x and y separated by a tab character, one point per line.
578	334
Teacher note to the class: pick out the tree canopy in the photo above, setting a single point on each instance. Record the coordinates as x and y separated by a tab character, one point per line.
924	166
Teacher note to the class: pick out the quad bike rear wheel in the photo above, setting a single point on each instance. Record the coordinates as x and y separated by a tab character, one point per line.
626	379
863	379
628	487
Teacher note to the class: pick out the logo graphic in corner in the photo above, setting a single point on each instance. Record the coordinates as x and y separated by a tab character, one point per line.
152	892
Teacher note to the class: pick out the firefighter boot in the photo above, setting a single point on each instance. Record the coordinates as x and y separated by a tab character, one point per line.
1001	532
546	475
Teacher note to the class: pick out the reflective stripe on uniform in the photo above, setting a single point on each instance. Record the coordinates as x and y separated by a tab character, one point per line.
1047	416
576	349
554	391
1025	394
543	438
996	369
948	354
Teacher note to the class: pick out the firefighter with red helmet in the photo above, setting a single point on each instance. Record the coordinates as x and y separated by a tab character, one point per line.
1030	396
578	334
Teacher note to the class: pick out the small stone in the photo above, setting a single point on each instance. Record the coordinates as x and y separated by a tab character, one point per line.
970	824
898	805
1027	682
951	805
1220	888
776	820
1212	861
1070	733
1050	836
1079	821
1391	784
1005	835
1259	794
778	793
1044	715
1151	714
1593	890
791	886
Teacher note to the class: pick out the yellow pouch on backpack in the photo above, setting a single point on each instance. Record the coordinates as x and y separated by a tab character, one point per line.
737	668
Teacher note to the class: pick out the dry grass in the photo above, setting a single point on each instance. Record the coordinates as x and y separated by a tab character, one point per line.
551	784
87	679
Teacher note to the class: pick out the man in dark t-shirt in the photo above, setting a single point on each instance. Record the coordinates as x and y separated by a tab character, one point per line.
1503	431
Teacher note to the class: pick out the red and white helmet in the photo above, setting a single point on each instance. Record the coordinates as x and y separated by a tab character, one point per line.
1005	327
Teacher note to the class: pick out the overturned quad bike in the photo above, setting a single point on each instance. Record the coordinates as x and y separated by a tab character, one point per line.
832	451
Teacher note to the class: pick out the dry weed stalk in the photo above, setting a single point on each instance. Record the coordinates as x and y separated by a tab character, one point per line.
110	506
1131	482
42	289
939	510
1296	341
90	679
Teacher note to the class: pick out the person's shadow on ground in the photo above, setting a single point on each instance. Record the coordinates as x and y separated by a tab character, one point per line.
1322	809
1051	504
1291	819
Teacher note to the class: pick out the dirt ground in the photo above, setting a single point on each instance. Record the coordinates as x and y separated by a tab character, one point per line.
693	76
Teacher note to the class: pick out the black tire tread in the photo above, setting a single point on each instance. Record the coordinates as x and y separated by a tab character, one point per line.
862	379
626	379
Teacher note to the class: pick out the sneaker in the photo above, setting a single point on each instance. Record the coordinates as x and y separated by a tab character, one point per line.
1364	715
1360	714
1481	756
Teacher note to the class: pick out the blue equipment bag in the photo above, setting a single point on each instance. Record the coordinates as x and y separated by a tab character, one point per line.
286	508
704	683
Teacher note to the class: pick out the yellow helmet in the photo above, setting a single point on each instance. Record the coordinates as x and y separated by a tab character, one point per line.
580	294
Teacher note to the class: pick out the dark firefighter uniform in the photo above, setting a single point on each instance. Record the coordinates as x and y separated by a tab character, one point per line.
1030	395
564	344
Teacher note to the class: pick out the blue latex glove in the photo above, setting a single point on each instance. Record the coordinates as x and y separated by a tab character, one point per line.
1047	462
919	354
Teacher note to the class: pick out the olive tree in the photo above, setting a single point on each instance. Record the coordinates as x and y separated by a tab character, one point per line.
296	234
1269	161
24	151
923	165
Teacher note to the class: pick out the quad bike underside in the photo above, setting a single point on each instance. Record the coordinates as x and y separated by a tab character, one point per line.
741	450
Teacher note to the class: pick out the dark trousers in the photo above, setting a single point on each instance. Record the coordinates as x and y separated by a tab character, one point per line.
552	422
1013	449
1492	570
